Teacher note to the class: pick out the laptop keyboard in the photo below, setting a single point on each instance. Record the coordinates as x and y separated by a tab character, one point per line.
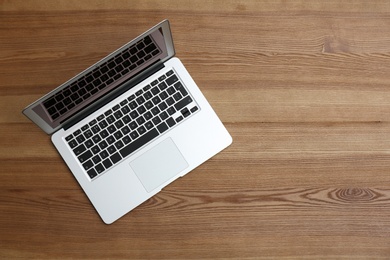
131	123
101	77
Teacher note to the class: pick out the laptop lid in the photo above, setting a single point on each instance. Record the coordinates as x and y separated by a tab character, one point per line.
101	82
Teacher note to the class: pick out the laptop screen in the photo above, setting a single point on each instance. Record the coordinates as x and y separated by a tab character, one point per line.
60	105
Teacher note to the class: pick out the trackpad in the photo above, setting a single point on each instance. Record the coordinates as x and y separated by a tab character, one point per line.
159	164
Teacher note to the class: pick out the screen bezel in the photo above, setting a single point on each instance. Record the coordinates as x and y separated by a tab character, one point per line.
164	26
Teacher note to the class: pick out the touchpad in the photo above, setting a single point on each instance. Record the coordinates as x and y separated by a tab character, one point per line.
159	164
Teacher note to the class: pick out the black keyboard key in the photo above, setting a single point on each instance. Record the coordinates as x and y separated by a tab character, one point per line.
124	102
125	130
115	158
147	40
141	110
96	159
85	156
69	137
67	101
96	139
103	144
195	108
171	90
59	97
108	112
161	78
171	80
88	165
141	130
49	103
118	135
148	115
155	90
180	88
177	96
163	95
126	139
95	149
171	111
89	77
79	149
72	143
110	139
140	100
169	73
97	74
118	60
154	83
148	125
111	129
119	144
182	103
116	107
162	106
52	110
149	105
139	92
156	100
74	96
171	122
59	106
93	122
99	168
88	133
163	115
125	109
95	129
92	173
162	127
103	124
103	154
147	87
134	134
99	118
185	112
133	125
155	111
162	86
132	97
119	124
118	114
126	119
110	119
148	95
156	120
178	119
111	149
170	101
140	120
134	114
88	143
107	163
133	105
136	144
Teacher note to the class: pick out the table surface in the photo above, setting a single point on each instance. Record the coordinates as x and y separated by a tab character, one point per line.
302	86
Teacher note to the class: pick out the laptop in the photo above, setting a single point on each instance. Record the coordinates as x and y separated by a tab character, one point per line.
131	123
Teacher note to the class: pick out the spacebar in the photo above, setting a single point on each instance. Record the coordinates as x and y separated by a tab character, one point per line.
138	142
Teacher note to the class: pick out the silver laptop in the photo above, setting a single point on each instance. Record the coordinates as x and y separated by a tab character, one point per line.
131	123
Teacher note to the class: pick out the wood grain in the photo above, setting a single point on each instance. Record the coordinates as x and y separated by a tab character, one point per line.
301	86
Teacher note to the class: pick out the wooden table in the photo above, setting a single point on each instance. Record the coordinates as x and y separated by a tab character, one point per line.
302	86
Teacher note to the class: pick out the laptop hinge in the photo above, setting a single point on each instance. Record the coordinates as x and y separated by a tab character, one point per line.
127	85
